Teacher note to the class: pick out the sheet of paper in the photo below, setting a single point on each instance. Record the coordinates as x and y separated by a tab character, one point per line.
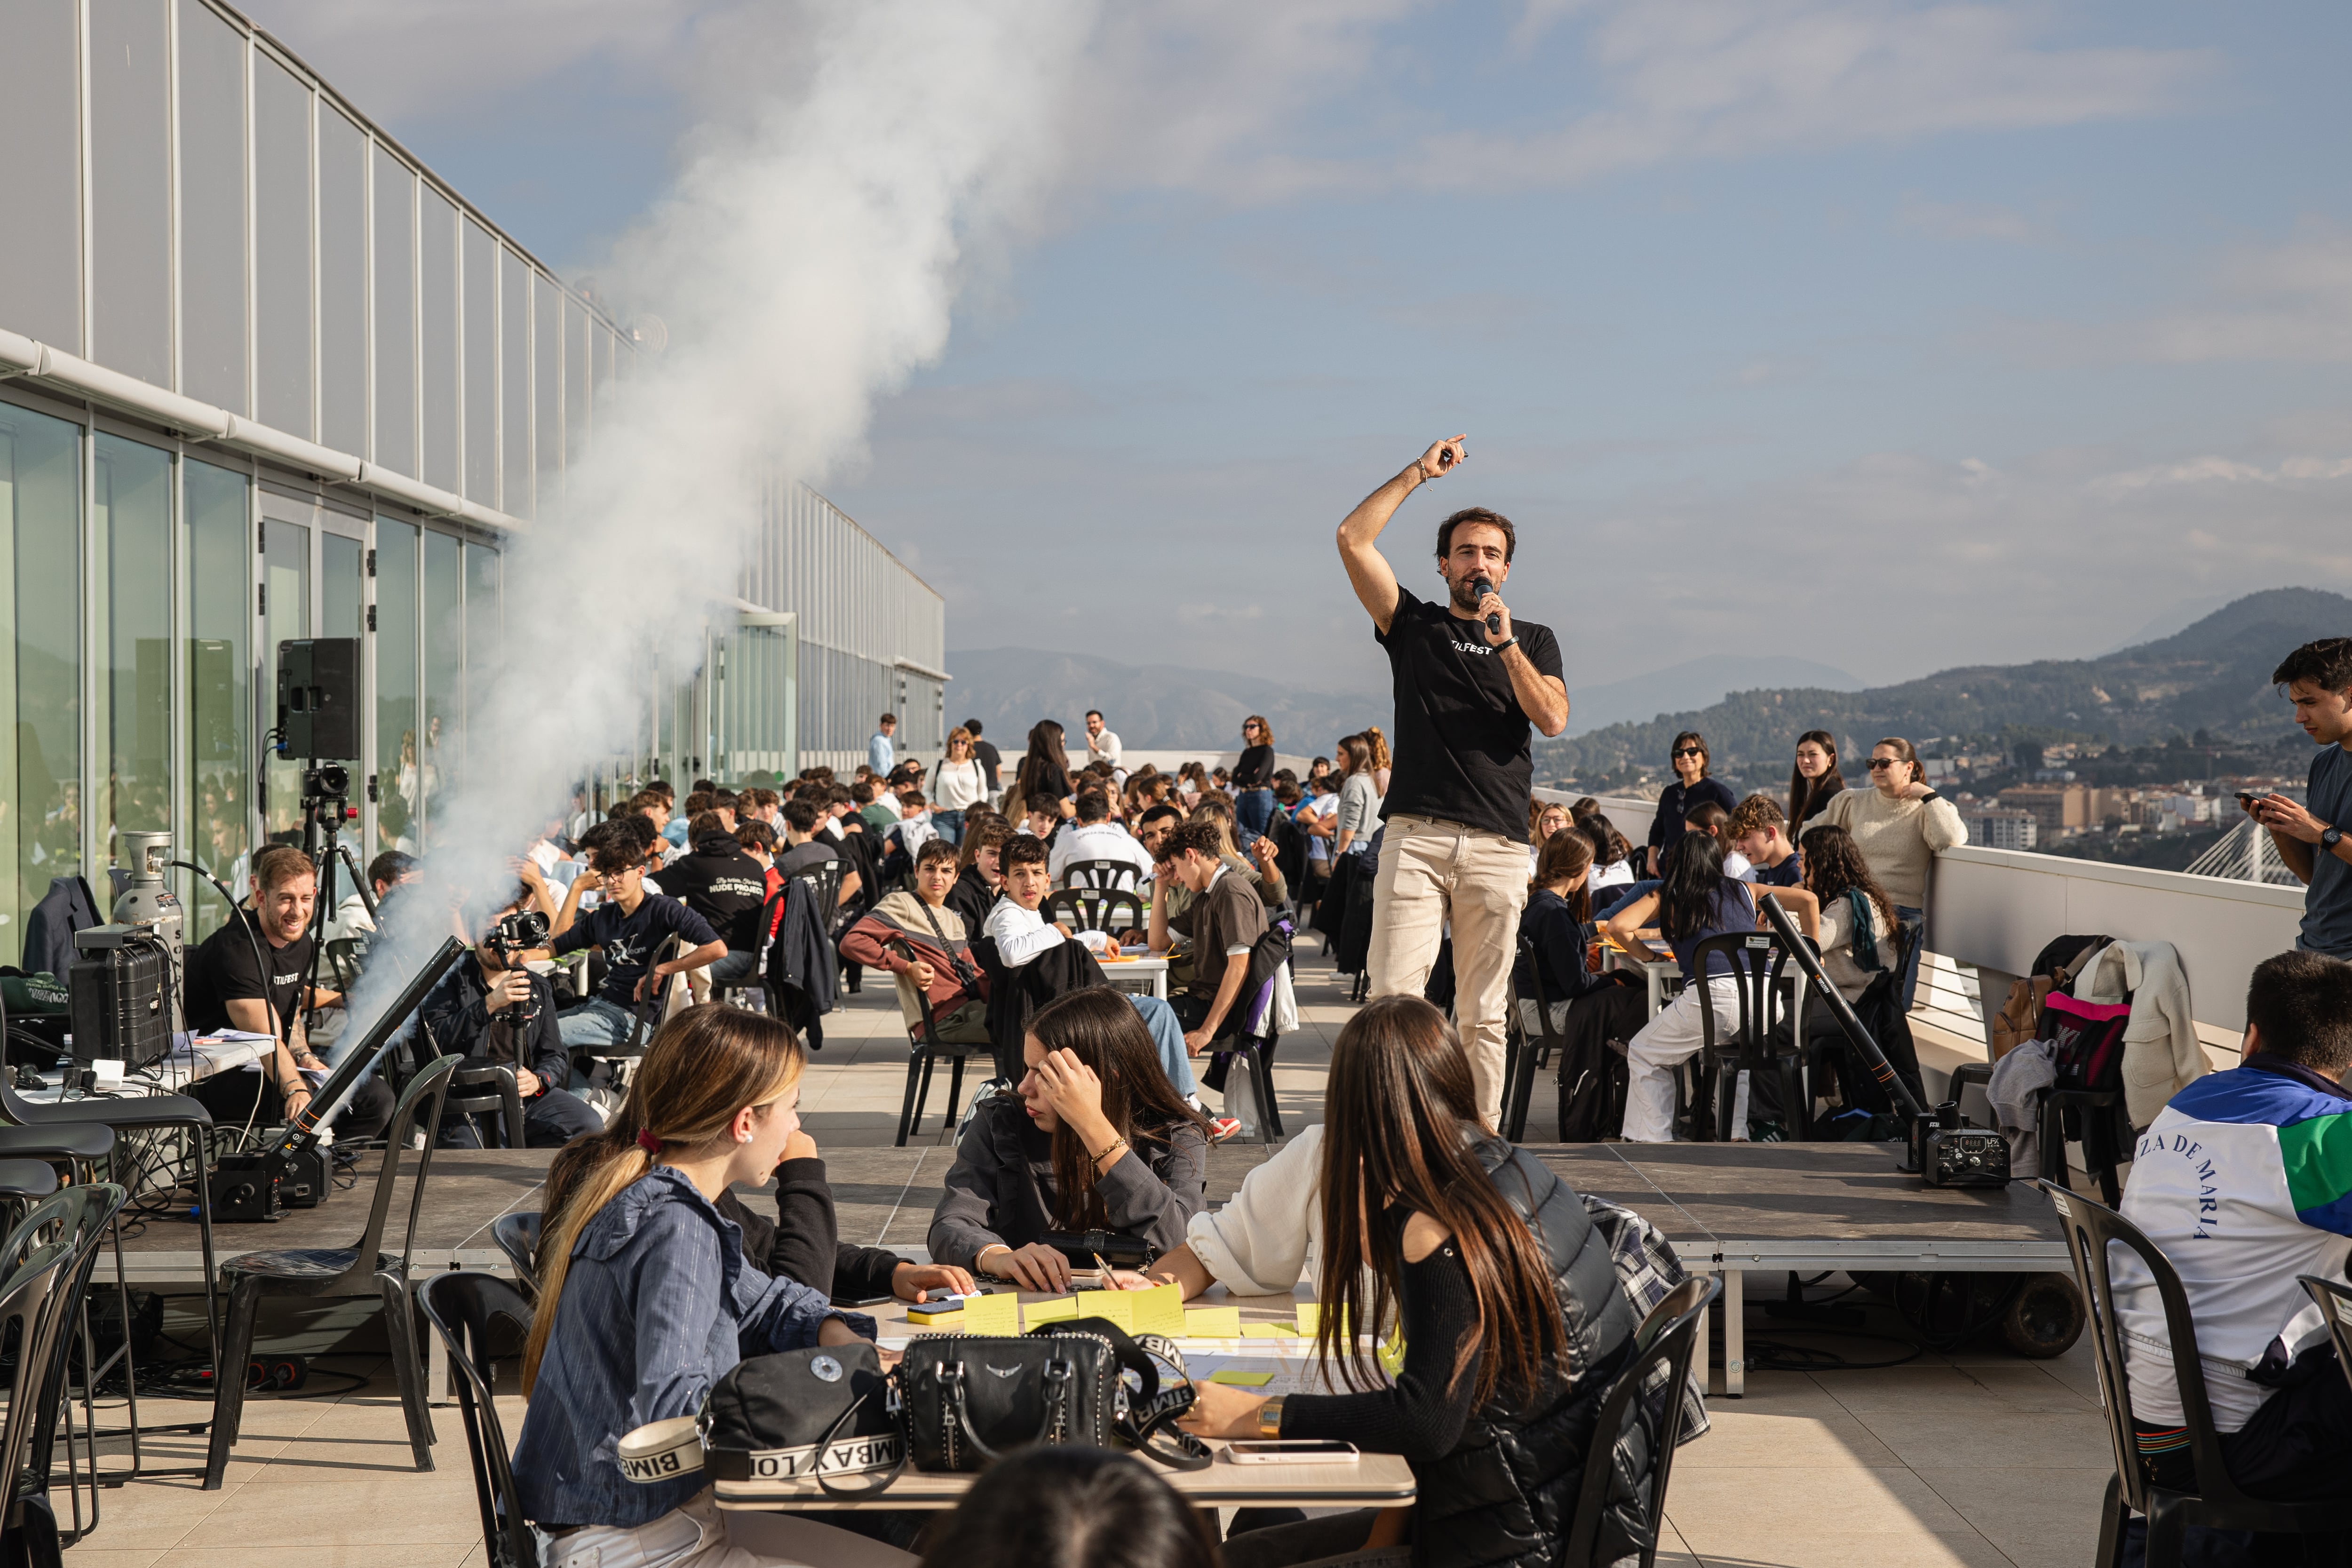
1235	1378
1159	1310
1037	1312
1115	1307
997	1314
1212	1322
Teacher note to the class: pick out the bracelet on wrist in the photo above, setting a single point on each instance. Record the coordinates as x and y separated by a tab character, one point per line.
1113	1147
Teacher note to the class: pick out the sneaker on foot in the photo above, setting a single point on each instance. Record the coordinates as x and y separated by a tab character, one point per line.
1224	1127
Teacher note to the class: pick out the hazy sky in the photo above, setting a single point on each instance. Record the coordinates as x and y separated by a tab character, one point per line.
1895	335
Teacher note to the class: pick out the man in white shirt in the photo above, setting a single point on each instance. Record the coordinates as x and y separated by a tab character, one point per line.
1096	837
1102	745
913	829
1019	931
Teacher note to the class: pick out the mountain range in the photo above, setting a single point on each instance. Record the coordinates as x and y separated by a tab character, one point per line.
1151	706
2214	674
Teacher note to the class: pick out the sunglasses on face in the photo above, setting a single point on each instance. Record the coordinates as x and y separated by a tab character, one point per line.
1877	763
1689	752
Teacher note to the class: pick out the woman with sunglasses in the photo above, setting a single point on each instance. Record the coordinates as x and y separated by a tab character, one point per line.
1900	826
1690	789
1252	777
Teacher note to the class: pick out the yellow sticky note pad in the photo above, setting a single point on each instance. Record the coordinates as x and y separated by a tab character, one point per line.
1037	1312
935	1320
1310	1316
1233	1377
1212	1322
997	1314
1267	1330
1114	1307
1159	1310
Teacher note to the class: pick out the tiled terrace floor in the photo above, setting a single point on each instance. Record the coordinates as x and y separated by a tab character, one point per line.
1975	1457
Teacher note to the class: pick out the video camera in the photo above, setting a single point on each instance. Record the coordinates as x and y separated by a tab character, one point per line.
1947	1153
519	932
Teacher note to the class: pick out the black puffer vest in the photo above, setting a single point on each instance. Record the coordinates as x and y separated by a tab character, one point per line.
1507	1492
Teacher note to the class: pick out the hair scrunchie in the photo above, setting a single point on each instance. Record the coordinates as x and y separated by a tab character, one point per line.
649	1143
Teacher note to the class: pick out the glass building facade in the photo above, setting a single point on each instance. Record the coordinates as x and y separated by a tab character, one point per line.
263	376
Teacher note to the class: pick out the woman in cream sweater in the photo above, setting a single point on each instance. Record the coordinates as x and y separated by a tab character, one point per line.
1900	826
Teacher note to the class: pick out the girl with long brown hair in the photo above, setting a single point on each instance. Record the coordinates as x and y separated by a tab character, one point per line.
644	1299
1045	770
1096	1139
1489	1267
1841	907
1813	778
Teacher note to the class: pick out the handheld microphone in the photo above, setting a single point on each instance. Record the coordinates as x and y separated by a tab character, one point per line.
1481	586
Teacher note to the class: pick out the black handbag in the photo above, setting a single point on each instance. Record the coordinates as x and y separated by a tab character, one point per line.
825	1411
1118	1250
968	1400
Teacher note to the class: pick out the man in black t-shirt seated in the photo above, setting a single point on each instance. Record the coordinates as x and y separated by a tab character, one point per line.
717	880
494	1012
1456	808
230	988
629	924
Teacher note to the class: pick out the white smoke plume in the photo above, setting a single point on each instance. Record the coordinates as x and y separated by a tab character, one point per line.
856	165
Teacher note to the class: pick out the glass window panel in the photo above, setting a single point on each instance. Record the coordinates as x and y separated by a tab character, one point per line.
131	511
342	285
217	541
212	207
485	649
40	663
40	182
286	577
396	315
548	355
131	200
342	587
481	357
281	258
445	697
398	782
514	329
437	292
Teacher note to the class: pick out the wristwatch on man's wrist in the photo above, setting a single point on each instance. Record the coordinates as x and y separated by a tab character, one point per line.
2328	837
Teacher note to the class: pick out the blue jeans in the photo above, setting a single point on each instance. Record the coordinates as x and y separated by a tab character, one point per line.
1169	1035
737	965
1915	925
600	1023
949	824
1253	809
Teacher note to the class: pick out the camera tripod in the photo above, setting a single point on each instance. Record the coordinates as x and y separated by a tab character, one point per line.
326	807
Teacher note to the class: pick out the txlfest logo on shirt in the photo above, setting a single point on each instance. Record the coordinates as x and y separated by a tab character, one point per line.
1470	646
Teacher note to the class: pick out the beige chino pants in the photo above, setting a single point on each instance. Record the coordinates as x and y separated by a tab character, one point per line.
1431	872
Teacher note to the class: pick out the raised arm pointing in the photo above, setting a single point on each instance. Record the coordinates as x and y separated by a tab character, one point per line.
1374	580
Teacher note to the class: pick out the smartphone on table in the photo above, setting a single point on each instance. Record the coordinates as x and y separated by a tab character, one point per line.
1292	1451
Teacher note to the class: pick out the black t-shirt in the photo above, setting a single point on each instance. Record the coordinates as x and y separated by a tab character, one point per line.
629	941
1789	873
222	971
723	885
1460	749
989	760
1254	769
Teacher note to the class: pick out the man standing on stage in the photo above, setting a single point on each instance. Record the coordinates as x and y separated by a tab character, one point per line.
1468	682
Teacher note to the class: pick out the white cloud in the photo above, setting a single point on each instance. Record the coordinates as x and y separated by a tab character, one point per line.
2221	471
2289	302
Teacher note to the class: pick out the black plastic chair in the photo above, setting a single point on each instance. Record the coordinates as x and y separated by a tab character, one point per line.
1645	1408
1759	964
2090	1230
461	1305
1105	876
924	1048
1526	1055
1093	909
494	1091
360	1269
44	1266
1250	1033
516	1236
169	1114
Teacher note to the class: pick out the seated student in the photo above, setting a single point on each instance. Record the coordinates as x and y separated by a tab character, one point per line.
1042	816
629	924
1258	868
1063	1505
646	1302
941	966
1095	837
1710	818
493	1012
1050	961
1612	861
1094	1140
873	808
1559	932
388	870
1505	1292
1694	901
913	829
230	986
1844	911
2236	1183
1754	833
806	850
1545	817
727	888
979	875
1226	922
